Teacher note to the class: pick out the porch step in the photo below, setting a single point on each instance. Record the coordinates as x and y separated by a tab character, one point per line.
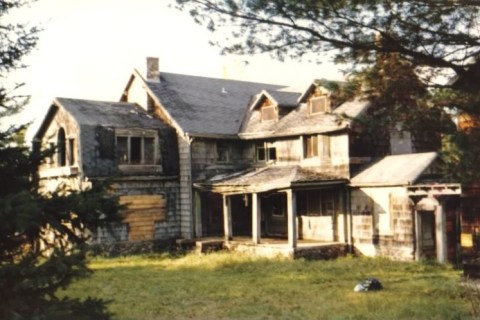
209	246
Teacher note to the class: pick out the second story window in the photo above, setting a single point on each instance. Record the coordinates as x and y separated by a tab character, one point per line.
134	150
223	151
310	146
266	153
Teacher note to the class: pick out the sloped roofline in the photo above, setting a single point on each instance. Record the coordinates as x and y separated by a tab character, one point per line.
153	96
52	111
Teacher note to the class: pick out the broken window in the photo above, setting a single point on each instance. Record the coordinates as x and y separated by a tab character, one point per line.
223	151
266	153
135	150
61	148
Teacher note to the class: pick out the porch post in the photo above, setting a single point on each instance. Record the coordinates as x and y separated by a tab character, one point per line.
197	209
256	222
418	235
440	233
291	219
227	217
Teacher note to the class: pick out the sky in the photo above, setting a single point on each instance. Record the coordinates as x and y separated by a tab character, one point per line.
89	48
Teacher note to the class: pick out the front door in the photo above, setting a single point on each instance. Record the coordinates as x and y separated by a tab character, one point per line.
274	213
427	234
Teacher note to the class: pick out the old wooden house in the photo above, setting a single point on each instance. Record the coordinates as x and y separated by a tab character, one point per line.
121	142
248	162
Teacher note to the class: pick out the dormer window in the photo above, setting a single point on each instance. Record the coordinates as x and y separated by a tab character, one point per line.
319	105
269	113
135	148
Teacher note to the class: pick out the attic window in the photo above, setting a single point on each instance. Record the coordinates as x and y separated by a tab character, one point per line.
269	113
319	105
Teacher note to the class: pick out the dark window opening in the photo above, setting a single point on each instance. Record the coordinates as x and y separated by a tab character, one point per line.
61	148
223	151
72	151
266	153
316	202
135	150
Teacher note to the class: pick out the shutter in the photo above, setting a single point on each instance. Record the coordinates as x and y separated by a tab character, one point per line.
106	142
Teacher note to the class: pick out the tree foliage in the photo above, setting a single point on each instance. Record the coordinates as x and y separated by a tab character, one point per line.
402	51
437	34
43	236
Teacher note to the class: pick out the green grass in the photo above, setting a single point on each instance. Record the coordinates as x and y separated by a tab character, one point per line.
234	286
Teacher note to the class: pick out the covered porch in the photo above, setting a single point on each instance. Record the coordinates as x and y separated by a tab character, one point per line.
258	210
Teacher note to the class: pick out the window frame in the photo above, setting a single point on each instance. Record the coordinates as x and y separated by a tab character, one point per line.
142	136
273	113
310	146
222	148
269	152
313	102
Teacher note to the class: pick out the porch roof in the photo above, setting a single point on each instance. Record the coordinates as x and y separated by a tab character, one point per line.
267	179
395	170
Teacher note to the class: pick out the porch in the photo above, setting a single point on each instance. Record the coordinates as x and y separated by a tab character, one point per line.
268	247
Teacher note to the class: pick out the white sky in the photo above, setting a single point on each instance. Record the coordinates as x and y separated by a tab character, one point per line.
89	48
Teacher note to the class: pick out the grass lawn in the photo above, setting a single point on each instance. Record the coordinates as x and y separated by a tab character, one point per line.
234	286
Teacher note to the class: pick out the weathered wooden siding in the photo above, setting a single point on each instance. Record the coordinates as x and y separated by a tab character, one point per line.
142	212
156	202
316	228
382	222
186	200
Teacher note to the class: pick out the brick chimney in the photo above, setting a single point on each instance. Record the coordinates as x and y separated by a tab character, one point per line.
153	71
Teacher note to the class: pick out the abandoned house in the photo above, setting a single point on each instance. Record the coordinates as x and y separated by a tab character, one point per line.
263	167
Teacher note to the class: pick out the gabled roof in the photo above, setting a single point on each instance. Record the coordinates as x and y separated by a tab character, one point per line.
112	114
396	170
267	179
206	106
299	121
101	113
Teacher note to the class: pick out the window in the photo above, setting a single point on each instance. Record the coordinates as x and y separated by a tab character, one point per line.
266	153
316	202
319	104
269	113
223	151
310	146
324	147
61	148
71	152
135	150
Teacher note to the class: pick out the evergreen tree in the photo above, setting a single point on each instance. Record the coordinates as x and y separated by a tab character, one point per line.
43	236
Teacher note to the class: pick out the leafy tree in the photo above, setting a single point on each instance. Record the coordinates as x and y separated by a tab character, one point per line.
431	40
43	236
435	34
